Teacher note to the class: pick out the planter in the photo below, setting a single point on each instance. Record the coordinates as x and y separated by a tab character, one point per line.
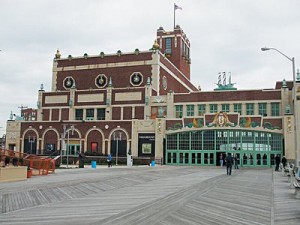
29	173
12	173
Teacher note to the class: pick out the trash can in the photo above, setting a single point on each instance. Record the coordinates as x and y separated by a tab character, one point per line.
81	163
94	163
153	163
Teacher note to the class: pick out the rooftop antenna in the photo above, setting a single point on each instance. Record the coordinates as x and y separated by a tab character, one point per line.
22	108
219	79
224	78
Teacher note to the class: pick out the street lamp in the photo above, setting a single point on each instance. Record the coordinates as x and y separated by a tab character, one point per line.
68	149
295	100
31	141
117	147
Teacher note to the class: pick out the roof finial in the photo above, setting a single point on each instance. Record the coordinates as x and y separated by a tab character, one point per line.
155	46
57	55
284	84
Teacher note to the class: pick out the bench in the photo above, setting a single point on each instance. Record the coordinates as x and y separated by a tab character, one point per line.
297	189
286	172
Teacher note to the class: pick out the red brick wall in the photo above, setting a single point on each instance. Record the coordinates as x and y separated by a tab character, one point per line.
173	69
116	113
94	136
50	138
176	55
65	114
55	114
85	79
83	127
173	84
46	114
226	96
139	112
106	59
127	113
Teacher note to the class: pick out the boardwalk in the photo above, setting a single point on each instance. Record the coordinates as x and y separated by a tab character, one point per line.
151	195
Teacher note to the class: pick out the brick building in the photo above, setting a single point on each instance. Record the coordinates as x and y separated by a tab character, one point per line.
144	103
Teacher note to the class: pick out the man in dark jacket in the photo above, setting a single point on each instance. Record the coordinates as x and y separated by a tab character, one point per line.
229	162
283	162
277	162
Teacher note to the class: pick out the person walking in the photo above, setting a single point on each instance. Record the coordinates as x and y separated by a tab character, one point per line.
229	162
283	161
109	160
277	162
221	160
236	161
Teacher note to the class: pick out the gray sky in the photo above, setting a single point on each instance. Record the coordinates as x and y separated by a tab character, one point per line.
225	35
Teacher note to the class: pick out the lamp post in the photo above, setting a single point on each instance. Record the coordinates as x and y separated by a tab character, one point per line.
295	100
68	149
31	141
117	147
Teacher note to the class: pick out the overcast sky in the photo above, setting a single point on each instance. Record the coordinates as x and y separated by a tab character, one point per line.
225	35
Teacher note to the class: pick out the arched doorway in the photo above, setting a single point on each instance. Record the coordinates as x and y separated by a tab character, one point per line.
50	143
95	143
30	142
118	144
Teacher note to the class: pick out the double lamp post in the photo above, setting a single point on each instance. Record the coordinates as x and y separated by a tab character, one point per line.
297	154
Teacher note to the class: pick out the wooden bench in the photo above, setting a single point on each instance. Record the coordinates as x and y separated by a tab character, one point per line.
297	189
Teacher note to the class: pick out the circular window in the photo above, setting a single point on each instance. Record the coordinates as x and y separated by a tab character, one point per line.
69	82
136	79
101	81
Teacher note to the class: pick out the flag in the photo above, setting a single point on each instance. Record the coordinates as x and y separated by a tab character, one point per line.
177	7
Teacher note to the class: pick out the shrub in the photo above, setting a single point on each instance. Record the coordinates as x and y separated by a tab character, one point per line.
21	161
15	161
7	160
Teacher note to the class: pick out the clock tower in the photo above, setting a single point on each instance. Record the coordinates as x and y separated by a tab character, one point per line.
176	47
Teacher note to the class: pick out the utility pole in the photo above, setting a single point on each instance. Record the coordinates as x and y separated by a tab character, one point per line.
22	108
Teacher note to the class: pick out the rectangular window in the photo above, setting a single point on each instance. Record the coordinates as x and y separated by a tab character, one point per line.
187	53
182	48
190	110
213	108
179	110
100	114
201	109
237	108
249	108
225	107
89	114
275	109
262	109
79	114
168	49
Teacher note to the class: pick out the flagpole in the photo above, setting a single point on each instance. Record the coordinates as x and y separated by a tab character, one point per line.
174	15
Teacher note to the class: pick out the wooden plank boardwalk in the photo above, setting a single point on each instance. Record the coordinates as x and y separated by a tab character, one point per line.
158	195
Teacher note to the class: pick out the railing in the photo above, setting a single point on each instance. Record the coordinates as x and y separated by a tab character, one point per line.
123	160
40	165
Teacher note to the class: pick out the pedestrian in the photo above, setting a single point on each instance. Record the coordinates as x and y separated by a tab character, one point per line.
283	161
109	160
277	162
81	160
236	161
229	162
221	160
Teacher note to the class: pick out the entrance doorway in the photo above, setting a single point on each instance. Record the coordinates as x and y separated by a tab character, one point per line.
220	155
